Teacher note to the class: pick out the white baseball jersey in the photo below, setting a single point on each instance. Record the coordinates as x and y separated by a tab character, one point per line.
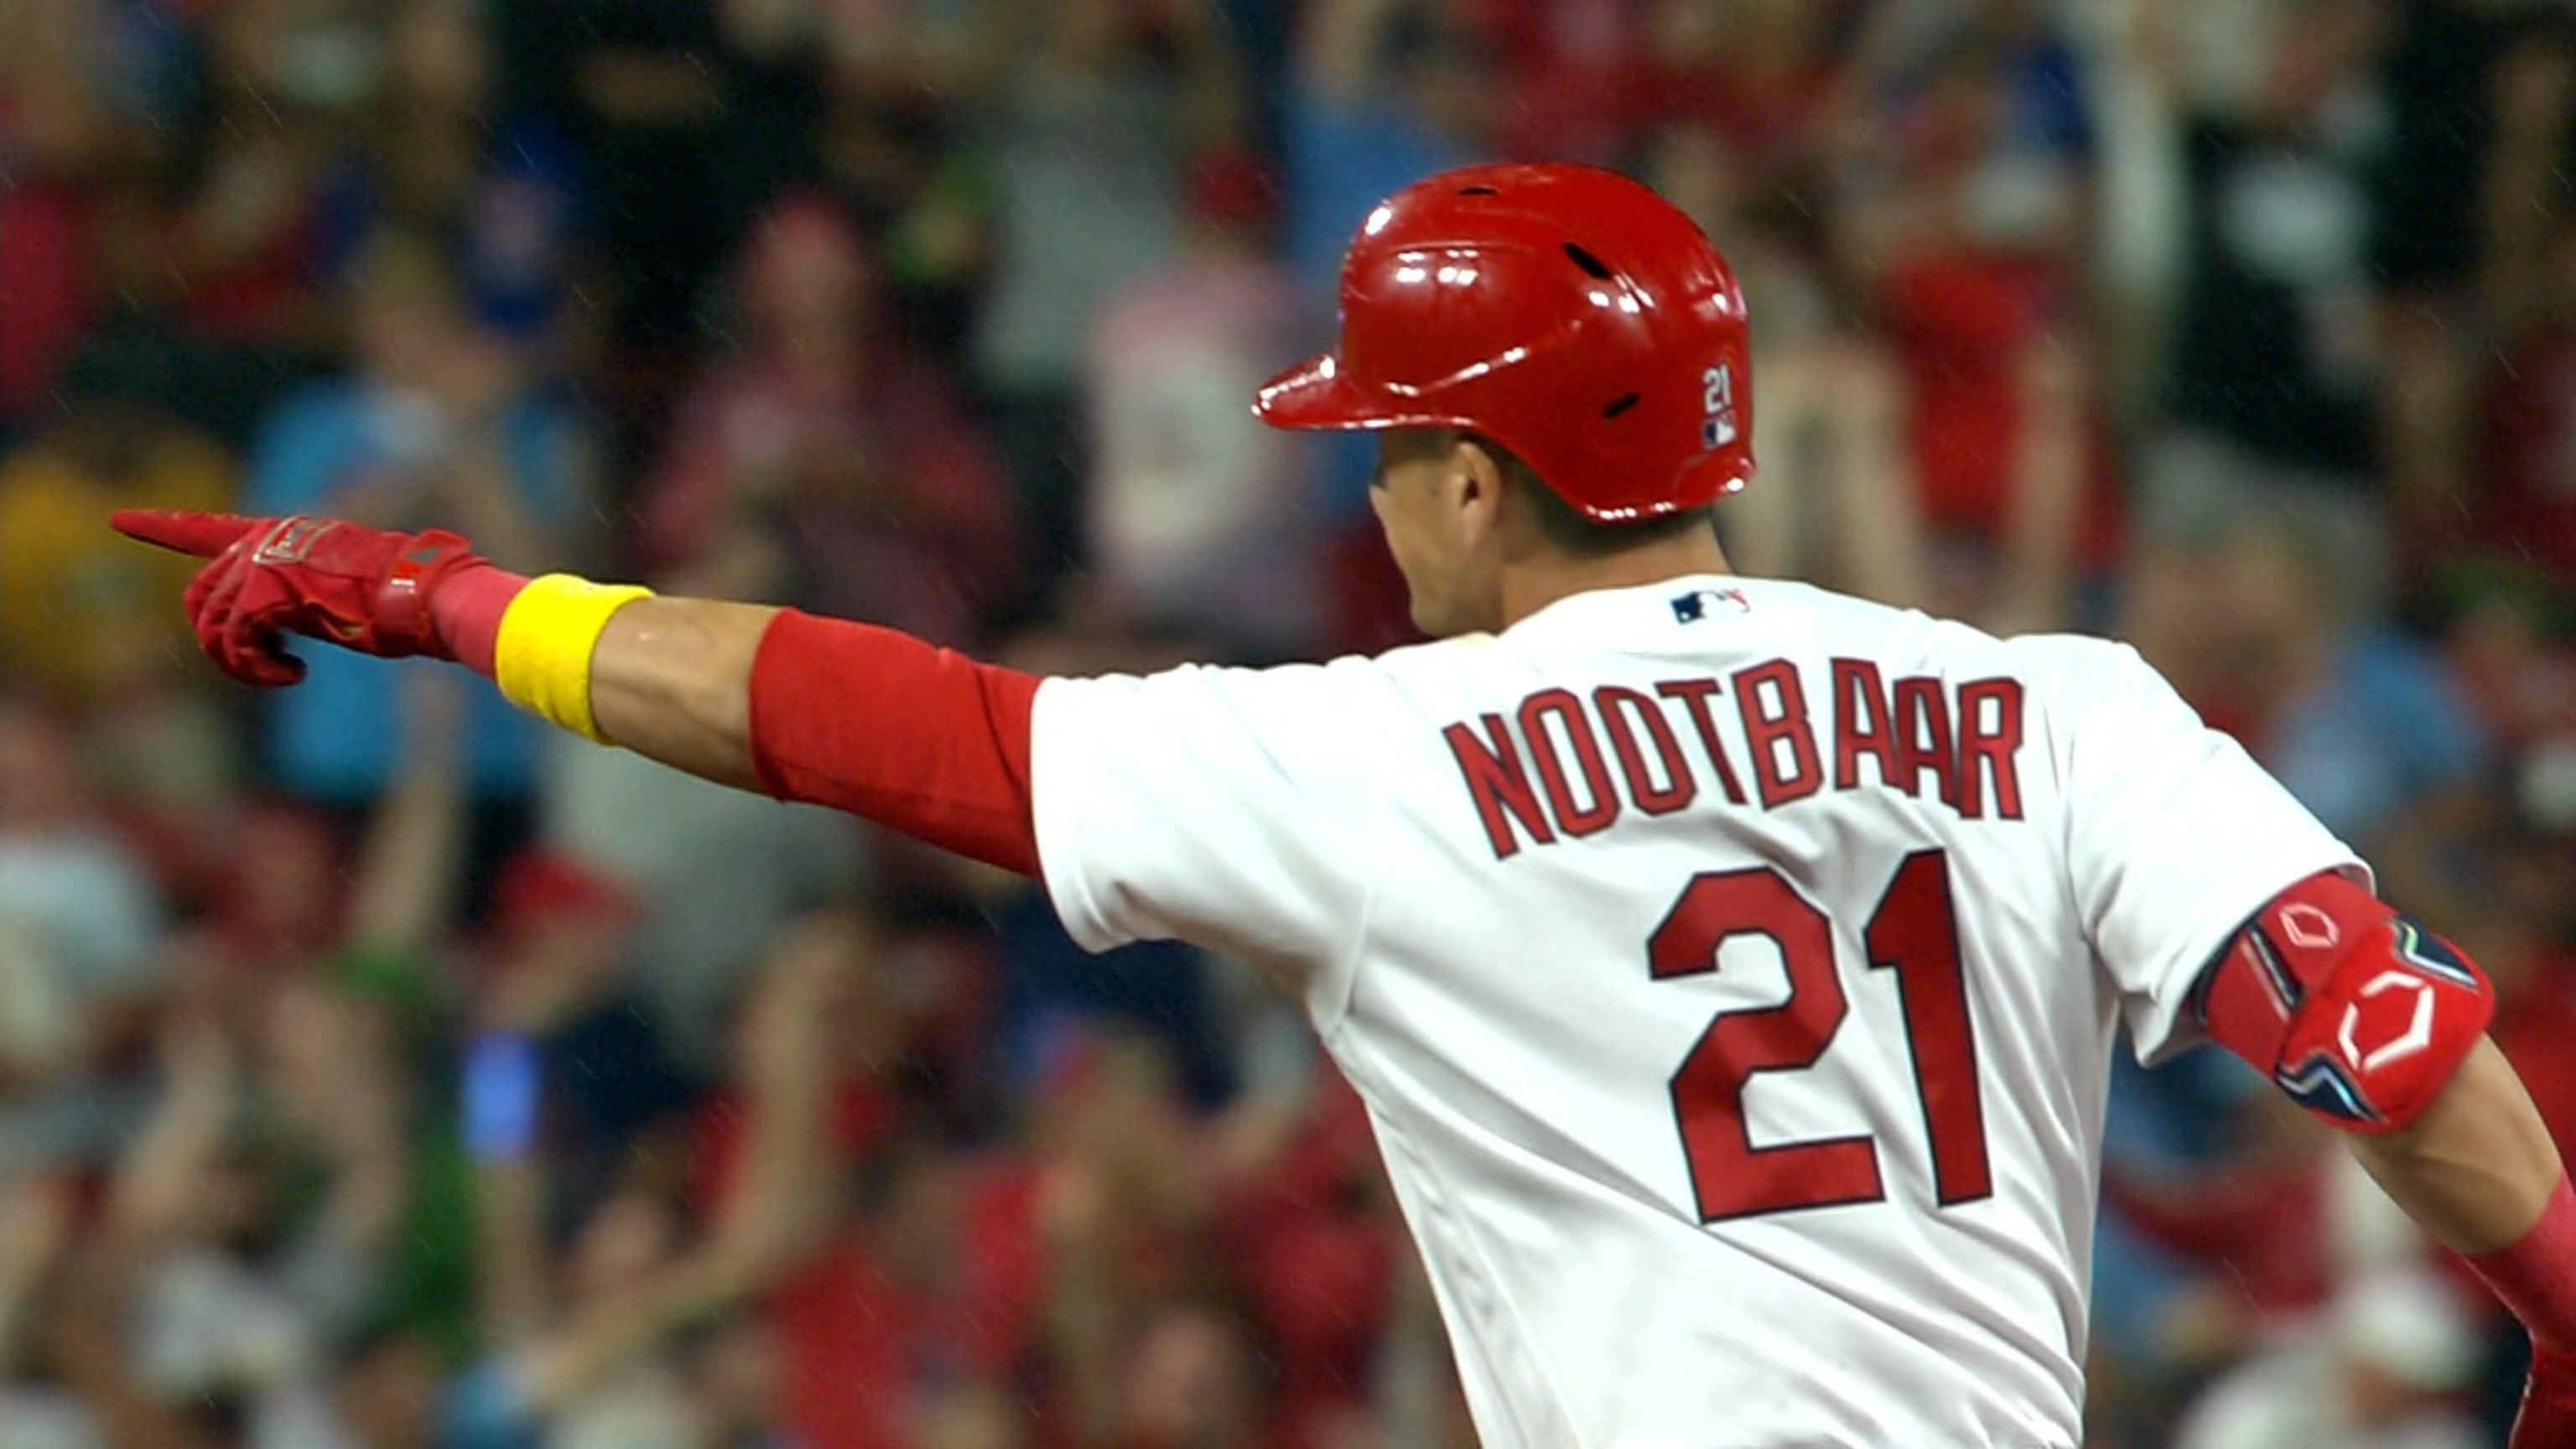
1730	969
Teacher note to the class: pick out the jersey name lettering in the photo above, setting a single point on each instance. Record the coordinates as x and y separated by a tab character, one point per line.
1565	765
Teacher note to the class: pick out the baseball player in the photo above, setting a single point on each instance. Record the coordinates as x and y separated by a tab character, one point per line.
1730	967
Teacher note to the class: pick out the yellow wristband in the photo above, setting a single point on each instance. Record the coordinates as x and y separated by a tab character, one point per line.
542	658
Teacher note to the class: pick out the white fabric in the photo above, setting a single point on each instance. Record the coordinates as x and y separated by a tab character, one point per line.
1518	1060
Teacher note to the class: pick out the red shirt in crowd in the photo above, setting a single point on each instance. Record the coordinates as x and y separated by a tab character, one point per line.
1314	1245
2258	1221
2535	1028
45	293
862	1341
1961	322
2522	502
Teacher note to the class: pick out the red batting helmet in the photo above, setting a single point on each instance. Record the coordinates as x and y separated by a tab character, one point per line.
1571	315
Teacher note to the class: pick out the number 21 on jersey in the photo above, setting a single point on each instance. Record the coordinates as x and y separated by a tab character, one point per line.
1912	932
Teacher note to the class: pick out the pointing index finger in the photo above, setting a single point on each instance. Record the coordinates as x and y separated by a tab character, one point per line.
202	534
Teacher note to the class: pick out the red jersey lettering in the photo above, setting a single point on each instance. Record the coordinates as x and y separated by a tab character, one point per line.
1499	785
1860	724
1782	743
1576	727
1620	710
1989	739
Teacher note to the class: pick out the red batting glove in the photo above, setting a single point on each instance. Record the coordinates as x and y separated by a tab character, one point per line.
2548	1417
360	588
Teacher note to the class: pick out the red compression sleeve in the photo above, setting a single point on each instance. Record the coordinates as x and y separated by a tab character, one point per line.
466	610
2548	1416
2536	1275
2536	1278
880	724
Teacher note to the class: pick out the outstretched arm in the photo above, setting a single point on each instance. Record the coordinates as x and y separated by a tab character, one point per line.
671	679
860	718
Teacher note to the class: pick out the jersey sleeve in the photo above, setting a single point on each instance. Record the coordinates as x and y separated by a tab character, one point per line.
2174	836
1231	808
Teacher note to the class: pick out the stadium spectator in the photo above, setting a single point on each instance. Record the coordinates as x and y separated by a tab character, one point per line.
1105	100
1965	225
1196	512
2270	397
687	119
1763	75
2507	492
41	1215
435	423
1385	91
1839	503
247	240
1319	1252
54	141
826	464
1380	92
79	622
495	188
716	877
2366	727
1575	74
2387	1374
78	930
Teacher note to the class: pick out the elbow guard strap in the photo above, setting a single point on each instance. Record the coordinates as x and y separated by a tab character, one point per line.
2355	1010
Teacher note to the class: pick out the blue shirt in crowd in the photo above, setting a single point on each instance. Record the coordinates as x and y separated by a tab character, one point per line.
338	737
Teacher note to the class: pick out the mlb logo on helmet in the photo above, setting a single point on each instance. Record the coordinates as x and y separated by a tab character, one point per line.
1717	407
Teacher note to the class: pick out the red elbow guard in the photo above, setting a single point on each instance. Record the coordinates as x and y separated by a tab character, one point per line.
2357	1012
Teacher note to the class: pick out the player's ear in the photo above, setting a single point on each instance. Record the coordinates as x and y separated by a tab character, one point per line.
1473	482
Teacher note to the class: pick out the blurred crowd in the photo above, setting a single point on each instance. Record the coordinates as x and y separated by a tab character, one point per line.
379	1071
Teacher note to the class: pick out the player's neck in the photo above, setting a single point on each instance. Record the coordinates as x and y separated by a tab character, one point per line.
1536	580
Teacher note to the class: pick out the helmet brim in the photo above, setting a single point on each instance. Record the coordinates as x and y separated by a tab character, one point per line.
1318	394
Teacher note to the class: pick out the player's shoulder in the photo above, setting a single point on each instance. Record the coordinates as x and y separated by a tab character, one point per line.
2079	667
2073	683
2077	687
1307	698
2056	662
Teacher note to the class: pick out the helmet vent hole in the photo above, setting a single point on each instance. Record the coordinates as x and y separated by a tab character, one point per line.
1619	405
1591	264
1478	191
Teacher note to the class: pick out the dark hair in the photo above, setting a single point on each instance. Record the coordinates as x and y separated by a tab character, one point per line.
1558	521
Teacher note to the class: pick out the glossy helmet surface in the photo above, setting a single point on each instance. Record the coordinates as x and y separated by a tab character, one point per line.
1569	314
